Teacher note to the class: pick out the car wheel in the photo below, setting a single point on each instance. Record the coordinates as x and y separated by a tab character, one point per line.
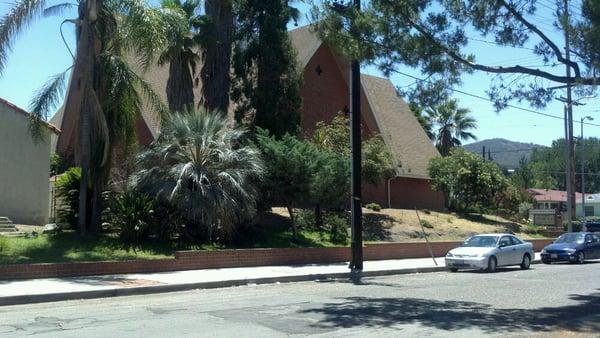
453	269
580	257
526	262
492	264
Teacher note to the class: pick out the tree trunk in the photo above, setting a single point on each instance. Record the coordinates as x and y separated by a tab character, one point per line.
215	73
180	86
84	70
318	216
294	226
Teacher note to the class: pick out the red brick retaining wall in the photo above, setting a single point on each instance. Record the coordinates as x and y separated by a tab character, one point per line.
190	260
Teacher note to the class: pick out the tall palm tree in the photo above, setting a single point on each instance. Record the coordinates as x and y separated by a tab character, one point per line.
200	166
106	92
451	126
182	54
216	53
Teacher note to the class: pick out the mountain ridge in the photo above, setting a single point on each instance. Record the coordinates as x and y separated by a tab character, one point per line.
505	152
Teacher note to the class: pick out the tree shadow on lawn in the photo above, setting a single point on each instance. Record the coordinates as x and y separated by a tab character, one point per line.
353	312
376	227
274	231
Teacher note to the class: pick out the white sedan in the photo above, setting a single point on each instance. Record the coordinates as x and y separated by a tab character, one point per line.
490	251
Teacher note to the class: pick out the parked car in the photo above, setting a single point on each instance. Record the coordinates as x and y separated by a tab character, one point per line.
574	247
592	226
489	251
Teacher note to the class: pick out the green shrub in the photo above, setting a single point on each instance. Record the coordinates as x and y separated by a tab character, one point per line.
3	244
338	230
132	214
373	206
305	219
524	208
426	224
67	191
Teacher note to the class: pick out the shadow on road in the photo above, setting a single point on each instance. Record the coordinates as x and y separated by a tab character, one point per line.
454	315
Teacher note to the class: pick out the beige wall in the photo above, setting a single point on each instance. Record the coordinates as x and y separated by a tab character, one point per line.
24	168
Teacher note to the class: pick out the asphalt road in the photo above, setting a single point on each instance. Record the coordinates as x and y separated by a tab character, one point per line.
558	300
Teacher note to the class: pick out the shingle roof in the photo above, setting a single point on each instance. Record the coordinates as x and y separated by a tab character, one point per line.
401	131
547	195
408	142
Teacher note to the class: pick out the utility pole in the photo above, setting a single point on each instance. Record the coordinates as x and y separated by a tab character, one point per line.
569	114
356	264
356	245
483	153
489	154
583	169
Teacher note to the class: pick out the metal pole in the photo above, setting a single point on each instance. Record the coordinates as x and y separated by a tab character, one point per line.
570	143
483	153
356	204
582	175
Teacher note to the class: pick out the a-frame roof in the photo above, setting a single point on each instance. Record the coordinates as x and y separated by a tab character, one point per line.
410	146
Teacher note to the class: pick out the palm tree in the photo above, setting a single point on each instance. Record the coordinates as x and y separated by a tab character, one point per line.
451	126
106	92
181	54
217	48
199	165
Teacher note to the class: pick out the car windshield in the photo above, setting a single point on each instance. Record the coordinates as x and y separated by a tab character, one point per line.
481	241
571	238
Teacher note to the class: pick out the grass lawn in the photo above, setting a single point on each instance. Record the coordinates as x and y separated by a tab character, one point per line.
272	232
66	247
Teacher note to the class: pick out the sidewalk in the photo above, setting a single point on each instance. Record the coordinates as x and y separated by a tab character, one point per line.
56	289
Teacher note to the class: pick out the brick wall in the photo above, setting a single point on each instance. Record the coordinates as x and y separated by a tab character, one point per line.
406	193
190	260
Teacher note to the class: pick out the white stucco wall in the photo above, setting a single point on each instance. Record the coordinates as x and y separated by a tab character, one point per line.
24	168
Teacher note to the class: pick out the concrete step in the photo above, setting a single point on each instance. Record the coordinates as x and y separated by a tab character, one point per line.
13	234
6	222
5	219
8	230
4	226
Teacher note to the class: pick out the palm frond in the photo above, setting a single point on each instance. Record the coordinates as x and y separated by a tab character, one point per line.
20	16
59	9
45	99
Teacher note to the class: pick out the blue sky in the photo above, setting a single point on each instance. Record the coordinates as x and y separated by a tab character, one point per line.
40	53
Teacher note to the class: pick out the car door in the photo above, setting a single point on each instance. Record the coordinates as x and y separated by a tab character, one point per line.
519	250
505	252
596	244
589	246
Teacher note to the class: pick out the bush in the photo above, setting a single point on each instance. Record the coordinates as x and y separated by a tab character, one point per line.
305	219
338	230
131	213
67	191
426	224
524	208
3	244
373	206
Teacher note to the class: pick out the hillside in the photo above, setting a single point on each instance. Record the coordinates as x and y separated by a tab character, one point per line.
504	152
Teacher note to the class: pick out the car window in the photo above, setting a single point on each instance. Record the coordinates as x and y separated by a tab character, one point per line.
481	241
515	240
588	238
595	238
505	241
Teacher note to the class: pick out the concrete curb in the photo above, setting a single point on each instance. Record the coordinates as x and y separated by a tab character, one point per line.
143	290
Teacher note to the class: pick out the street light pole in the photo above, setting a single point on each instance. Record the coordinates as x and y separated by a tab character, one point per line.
583	169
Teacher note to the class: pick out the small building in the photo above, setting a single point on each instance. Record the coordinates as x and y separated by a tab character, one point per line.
24	167
592	205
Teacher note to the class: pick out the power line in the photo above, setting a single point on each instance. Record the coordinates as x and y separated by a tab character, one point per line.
488	100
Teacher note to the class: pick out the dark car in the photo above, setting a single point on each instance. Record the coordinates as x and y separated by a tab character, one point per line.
592	226
574	247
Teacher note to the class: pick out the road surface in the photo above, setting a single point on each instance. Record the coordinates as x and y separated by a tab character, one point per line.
558	300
